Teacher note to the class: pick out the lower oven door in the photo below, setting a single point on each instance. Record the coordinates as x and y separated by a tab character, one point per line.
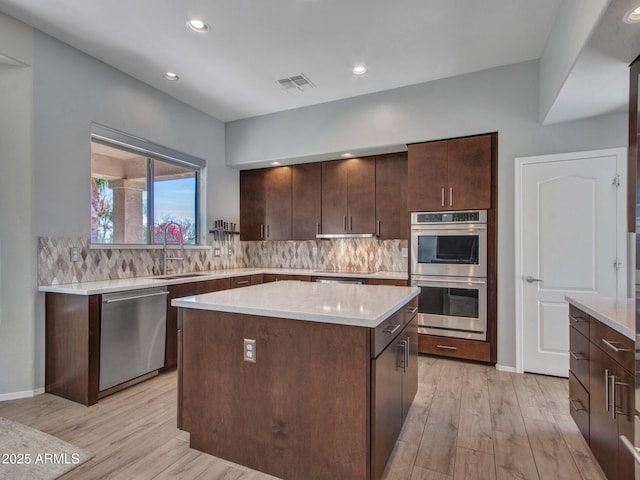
452	306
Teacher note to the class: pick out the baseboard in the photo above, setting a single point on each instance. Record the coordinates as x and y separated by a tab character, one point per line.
17	395
504	368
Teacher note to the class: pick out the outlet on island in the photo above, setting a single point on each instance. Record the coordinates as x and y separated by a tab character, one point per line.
216	252
249	350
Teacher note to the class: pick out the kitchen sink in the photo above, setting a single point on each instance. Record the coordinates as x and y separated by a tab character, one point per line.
181	275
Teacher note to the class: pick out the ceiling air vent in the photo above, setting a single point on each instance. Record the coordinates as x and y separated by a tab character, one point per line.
296	83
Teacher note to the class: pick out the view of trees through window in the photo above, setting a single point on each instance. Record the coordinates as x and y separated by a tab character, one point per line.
129	189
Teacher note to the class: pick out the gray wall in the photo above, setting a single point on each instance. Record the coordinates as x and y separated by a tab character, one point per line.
17	242
503	99
70	90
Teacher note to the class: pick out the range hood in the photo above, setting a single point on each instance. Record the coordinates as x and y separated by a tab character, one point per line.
344	235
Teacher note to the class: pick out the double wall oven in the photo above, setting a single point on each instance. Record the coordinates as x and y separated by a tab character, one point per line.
449	265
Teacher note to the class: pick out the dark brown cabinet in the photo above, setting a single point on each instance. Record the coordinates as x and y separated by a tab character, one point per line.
185	290
265	204
451	174
392	216
394	374
306	203
348	196
273	277
601	390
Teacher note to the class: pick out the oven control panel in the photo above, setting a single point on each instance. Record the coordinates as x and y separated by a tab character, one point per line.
476	216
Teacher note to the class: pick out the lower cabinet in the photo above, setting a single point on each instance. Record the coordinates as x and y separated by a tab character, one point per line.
455	347
273	277
601	390
394	375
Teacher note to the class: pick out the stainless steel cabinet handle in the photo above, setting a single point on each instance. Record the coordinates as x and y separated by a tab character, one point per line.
530	279
611	345
350	223
391	329
580	320
412	310
575	403
577	356
344	221
124	299
446	347
261	230
407	348
451	196
635	451
402	344
317	229
242	282
613	396
378	232
606	389
267	231
443	196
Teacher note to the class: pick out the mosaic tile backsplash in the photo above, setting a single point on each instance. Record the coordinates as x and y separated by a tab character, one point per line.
55	266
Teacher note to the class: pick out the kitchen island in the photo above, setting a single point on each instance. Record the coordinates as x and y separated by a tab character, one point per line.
296	379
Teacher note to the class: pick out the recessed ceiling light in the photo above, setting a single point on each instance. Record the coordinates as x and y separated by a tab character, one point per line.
197	26
347	155
171	76
632	16
359	70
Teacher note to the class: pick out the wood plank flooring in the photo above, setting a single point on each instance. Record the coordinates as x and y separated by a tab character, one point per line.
468	421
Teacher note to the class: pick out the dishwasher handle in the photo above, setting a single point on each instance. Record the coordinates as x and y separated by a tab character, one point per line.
124	299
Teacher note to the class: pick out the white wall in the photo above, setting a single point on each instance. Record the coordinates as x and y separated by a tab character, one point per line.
17	241
69	91
503	99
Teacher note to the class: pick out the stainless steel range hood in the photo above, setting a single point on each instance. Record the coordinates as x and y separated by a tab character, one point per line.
344	235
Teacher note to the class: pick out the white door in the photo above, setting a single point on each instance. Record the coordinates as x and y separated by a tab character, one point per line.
571	221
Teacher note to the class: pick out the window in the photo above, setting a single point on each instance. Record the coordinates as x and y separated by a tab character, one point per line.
139	192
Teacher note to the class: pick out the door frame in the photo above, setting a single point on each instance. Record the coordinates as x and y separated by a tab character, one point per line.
621	161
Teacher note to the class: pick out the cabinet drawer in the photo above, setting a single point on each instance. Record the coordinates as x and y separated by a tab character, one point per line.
243	281
384	333
579	405
579	355
272	277
579	320
455	347
614	344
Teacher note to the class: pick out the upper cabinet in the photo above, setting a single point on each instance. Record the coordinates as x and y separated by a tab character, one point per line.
306	207
265	204
392	217
450	174
349	196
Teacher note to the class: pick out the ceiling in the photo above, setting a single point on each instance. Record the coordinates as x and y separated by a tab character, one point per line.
232	71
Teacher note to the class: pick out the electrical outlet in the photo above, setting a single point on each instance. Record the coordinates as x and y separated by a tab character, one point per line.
404	252
74	254
314	252
216	252
230	252
249	350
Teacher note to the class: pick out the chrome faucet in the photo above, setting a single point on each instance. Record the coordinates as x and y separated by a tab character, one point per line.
167	258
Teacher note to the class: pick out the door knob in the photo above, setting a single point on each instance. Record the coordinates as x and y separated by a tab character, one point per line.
530	279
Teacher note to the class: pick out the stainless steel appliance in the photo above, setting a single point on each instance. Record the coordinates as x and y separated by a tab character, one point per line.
449	265
449	243
452	306
132	334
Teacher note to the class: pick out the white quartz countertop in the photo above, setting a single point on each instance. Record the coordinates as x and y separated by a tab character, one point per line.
344	304
617	313
124	284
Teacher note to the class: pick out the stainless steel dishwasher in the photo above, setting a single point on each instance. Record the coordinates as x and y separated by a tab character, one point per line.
132	334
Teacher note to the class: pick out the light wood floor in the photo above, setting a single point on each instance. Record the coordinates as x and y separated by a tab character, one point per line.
468	421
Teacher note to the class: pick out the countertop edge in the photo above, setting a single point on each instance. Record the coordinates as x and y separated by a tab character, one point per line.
586	304
84	288
293	315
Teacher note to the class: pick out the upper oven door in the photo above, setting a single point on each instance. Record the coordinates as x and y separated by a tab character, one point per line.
449	250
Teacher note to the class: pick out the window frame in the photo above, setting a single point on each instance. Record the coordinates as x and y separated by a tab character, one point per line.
152	151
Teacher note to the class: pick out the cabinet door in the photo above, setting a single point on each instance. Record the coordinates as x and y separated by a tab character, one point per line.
469	173
334	196
391	196
361	195
277	185
386	406
427	171
252	205
306	201
603	428
410	378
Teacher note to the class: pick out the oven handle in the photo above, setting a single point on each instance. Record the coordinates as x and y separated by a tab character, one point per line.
422	228
426	283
